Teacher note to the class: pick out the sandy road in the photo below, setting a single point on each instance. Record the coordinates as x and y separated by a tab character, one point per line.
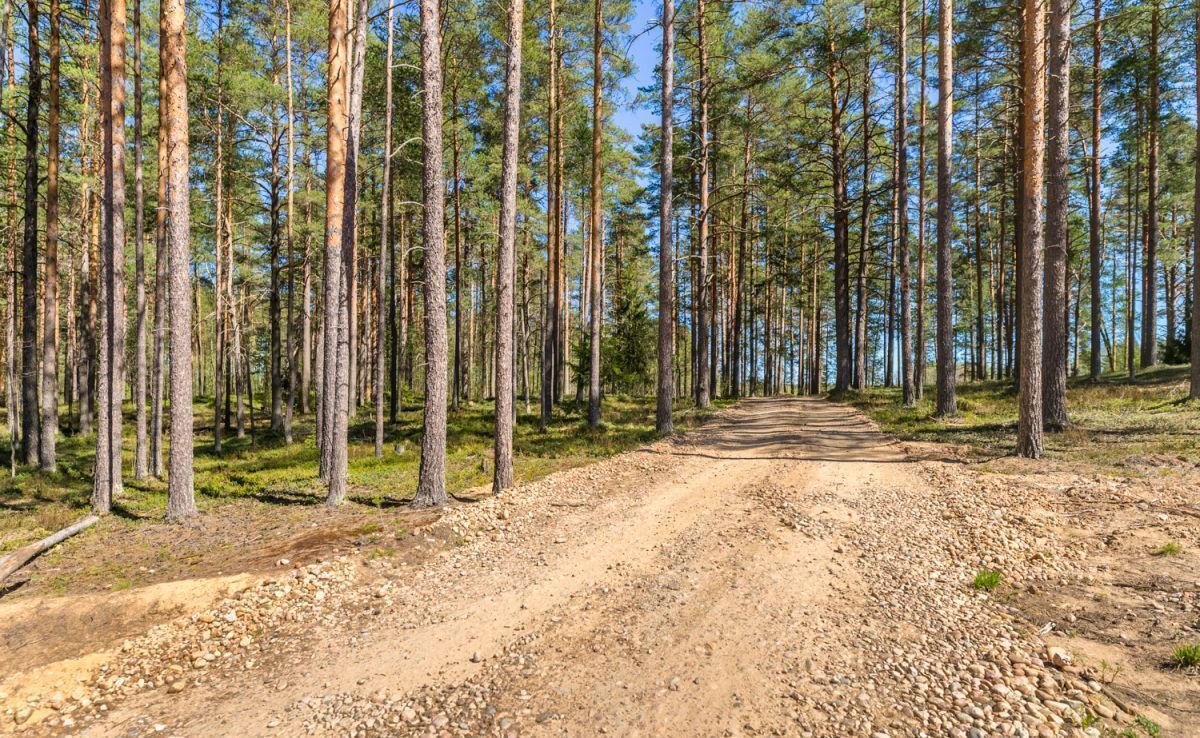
783	571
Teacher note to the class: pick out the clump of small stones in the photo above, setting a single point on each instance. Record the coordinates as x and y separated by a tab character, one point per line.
195	649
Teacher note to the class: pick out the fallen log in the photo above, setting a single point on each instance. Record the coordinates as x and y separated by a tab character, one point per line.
14	561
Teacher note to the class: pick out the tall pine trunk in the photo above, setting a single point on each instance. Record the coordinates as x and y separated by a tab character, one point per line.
181	502
48	449
141	453
111	369
1029	423
1058	185
385	222
596	222
946	403
431	485
333	326
31	432
908	392
699	290
1094	224
664	421
506	256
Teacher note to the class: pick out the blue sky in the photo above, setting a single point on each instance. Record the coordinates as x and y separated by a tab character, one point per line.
643	52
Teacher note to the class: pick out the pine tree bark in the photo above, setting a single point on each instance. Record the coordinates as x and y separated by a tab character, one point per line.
1195	384
596	221
181	502
920	350
1057	237
946	370
1094	224
841	233
550	321
141	452
431	485
506	256
357	56
333	325
699	290
161	299
111	370
1149	355
664	420
293	375
31	432
1029	401
859	380
385	244
908	390
48	448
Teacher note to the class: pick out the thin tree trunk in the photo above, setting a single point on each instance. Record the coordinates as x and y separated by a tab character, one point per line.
595	219
431	486
946	404
111	373
48	448
334	325
908	391
31	432
864	230
385	221
161	299
665	424
181	502
1195	384
920	349
506	256
1029	424
141	452
1094	224
1057	237
293	375
699	290
1150	265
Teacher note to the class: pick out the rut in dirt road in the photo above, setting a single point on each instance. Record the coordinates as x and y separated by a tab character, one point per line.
786	570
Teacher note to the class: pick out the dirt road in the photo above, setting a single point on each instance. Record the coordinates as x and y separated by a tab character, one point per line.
784	571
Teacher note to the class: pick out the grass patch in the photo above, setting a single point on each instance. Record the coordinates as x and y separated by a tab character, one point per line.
1171	548
987	580
1186	655
1117	423
259	467
1148	726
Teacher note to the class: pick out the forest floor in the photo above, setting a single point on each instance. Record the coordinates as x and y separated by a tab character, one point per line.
786	569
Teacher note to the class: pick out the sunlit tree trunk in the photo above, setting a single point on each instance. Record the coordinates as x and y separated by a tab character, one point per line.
1057	238
111	370
180	495
385	222
48	448
596	219
1149	355
141	453
1029	424
431	485
1094	225
31	431
664	421
908	389
699	290
333	326
946	404
1195	385
293	375
506	256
